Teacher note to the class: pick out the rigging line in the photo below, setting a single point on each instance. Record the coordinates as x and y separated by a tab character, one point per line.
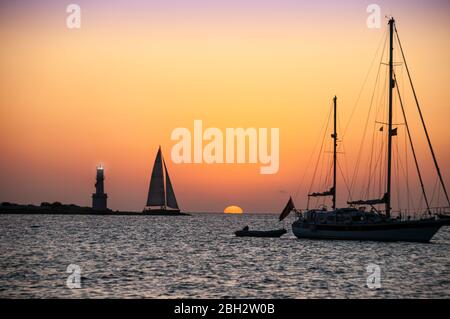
422	119
374	140
320	152
438	195
355	174
384	161
382	40
382	166
412	145
374	169
343	178
369	171
372	148
349	194
397	173
406	172
396	155
311	157
323	161
330	172
380	101
342	145
357	166
405	145
326	175
436	183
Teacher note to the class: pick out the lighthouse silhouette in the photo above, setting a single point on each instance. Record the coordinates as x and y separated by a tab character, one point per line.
99	198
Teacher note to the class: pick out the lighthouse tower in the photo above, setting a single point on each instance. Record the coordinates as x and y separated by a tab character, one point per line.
99	197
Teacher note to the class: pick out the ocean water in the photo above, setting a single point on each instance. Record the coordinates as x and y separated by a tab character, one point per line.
198	256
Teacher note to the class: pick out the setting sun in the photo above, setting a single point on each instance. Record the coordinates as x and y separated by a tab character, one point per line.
233	210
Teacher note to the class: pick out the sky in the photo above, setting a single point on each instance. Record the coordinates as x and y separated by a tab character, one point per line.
113	90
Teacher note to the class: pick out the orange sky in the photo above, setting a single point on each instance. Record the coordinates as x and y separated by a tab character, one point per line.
114	90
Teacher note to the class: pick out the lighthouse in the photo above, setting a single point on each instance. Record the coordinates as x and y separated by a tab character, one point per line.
99	197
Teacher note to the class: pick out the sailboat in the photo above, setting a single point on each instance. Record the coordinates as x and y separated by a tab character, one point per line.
161	198
355	222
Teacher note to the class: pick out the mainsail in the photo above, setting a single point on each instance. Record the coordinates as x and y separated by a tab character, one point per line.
156	195
161	191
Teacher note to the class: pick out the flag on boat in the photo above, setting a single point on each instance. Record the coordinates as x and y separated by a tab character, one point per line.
394	132
286	211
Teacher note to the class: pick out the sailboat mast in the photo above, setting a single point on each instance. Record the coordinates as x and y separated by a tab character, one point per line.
391	86
334	152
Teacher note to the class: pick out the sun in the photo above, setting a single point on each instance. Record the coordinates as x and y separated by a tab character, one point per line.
233	210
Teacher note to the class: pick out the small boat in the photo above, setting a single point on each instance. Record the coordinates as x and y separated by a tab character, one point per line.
261	233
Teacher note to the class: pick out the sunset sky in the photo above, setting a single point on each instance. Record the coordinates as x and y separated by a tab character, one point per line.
112	91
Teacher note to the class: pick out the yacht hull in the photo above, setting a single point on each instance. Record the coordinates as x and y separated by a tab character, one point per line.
410	231
163	212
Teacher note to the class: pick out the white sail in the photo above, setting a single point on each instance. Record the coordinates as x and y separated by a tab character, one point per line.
171	200
156	196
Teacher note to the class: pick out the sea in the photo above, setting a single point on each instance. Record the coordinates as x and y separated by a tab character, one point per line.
198	256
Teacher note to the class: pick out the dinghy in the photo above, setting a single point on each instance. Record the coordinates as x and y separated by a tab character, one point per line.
261	233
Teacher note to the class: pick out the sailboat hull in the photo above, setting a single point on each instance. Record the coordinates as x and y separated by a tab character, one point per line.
410	231
164	212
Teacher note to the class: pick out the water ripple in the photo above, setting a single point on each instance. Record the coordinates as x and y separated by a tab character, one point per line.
199	257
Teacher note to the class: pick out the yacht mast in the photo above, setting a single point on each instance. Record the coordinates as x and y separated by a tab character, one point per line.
332	190
334	153
391	86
